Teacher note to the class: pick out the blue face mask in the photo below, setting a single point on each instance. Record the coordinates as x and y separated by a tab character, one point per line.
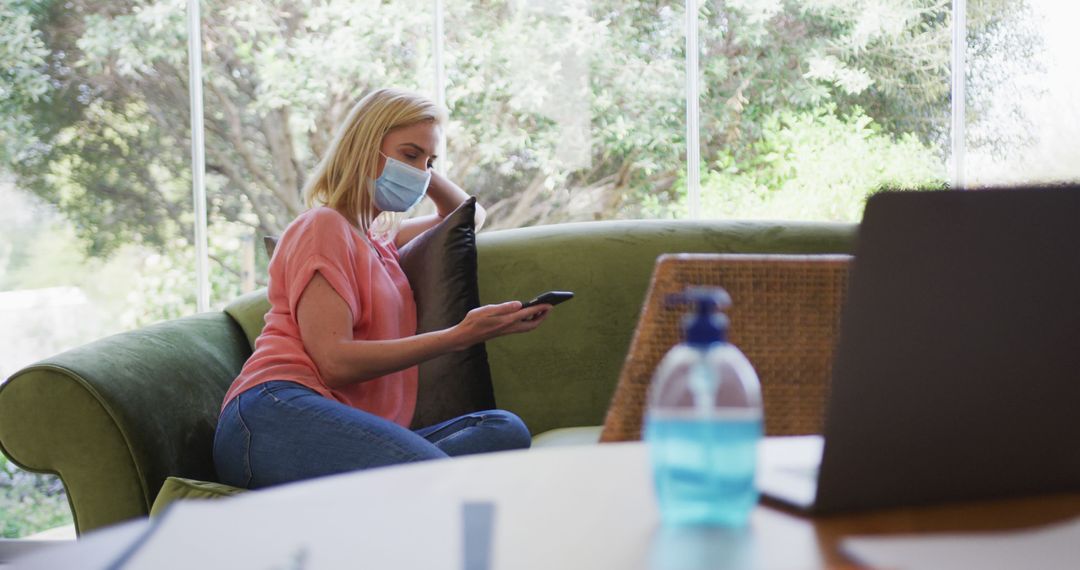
400	186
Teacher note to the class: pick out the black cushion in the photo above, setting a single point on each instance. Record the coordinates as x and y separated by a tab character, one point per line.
441	267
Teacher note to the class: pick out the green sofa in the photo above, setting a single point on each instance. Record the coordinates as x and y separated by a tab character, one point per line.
127	421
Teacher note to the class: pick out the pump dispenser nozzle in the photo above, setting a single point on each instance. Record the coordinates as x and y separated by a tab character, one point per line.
705	325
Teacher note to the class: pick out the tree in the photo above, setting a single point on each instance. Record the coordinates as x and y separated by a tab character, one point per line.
23	78
561	110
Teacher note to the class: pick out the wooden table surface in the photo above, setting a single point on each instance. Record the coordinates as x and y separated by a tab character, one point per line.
993	515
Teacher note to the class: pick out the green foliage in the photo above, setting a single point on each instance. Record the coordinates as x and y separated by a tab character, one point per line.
30	502
162	285
1002	57
561	110
897	55
814	165
23	77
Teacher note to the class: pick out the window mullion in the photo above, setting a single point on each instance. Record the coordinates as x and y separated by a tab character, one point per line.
198	156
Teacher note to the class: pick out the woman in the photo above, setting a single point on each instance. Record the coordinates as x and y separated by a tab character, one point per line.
331	385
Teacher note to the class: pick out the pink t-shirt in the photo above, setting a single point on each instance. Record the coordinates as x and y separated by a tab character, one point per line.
367	276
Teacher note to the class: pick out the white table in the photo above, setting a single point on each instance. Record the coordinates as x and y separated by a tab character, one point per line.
571	507
95	550
589	507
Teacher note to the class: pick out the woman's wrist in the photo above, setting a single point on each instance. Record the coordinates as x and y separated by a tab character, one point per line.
446	195
455	338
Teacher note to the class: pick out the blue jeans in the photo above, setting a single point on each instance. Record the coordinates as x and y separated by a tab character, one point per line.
281	431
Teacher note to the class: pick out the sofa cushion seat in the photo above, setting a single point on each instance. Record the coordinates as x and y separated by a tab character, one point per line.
581	435
180	488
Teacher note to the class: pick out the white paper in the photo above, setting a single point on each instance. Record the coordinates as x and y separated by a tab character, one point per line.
1052	547
321	534
788	468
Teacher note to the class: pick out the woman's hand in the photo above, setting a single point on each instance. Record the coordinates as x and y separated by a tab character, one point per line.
445	194
325	322
491	321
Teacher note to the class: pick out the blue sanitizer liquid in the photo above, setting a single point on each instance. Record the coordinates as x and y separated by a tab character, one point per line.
703	467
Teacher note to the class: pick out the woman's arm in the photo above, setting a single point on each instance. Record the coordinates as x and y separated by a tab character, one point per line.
326	330
447	196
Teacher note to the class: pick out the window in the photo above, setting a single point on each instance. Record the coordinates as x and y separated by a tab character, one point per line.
279	78
1023	114
808	107
96	187
566	110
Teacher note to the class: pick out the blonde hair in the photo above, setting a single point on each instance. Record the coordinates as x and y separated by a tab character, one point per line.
343	179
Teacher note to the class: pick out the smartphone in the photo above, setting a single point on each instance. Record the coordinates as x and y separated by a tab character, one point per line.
549	298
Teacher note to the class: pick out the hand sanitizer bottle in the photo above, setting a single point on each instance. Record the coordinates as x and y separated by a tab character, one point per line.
704	421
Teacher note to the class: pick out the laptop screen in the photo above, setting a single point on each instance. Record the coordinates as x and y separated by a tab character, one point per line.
957	371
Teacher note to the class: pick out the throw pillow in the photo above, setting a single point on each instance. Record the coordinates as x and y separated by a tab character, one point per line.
270	242
441	267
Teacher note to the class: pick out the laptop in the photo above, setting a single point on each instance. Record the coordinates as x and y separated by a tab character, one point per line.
957	367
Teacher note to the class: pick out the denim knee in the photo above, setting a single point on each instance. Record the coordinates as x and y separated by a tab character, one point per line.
481	432
514	433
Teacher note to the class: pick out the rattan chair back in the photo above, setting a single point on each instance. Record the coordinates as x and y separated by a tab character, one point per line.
785	316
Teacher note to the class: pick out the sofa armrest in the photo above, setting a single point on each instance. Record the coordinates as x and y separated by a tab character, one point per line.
115	417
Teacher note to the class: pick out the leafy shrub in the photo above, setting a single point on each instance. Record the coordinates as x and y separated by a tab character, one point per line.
815	165
30	502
